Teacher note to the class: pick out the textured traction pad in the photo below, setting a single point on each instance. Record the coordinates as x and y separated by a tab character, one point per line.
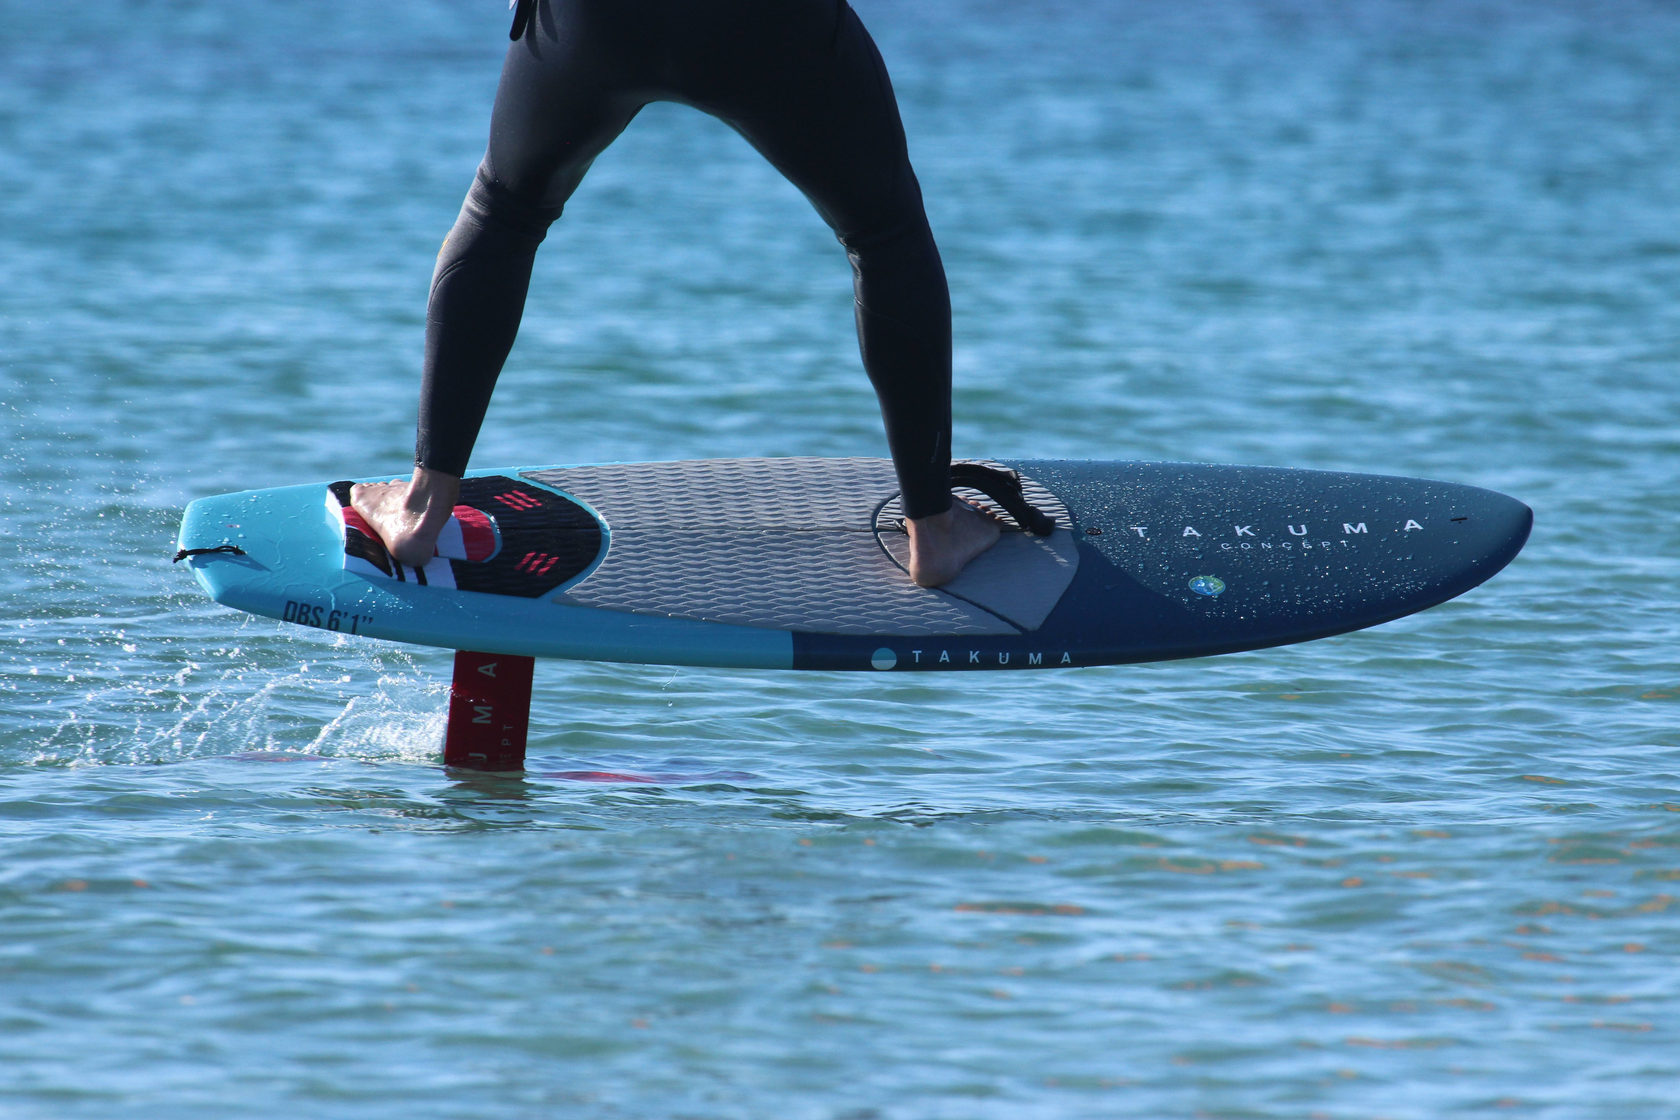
794	544
541	540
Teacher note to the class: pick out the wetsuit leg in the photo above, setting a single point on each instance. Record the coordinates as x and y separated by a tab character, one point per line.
803	82
823	112
558	106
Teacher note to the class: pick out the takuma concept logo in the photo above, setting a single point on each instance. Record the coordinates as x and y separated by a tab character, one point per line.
1294	536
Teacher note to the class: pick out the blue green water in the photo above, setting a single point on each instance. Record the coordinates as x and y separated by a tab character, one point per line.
1427	870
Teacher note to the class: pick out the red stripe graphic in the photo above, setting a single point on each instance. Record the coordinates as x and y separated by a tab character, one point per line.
516	500
477	534
537	563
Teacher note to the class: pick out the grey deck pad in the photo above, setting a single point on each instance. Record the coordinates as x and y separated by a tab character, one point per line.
796	544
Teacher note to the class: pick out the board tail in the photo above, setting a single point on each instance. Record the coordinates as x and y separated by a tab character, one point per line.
489	711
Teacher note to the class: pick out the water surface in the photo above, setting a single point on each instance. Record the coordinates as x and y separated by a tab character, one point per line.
1426	870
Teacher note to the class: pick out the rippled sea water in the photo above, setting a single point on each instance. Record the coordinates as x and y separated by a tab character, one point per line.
1431	869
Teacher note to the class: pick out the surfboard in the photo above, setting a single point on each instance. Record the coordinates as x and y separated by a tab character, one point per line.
799	563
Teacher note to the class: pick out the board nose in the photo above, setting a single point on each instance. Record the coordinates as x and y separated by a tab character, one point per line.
1493	525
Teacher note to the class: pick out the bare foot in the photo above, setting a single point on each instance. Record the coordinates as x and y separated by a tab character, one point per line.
408	516
942	545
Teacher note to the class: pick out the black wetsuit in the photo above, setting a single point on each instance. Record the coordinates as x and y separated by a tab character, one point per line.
802	81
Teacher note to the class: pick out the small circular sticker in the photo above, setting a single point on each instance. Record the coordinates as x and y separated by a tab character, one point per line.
883	658
1211	586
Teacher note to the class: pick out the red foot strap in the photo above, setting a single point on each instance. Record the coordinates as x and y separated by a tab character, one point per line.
489	711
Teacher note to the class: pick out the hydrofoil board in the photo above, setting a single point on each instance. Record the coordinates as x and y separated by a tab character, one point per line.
798	563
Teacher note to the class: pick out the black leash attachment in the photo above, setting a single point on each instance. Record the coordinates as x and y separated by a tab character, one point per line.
221	549
1004	488
522	10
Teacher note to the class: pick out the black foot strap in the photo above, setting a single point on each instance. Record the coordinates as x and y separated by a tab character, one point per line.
228	549
1004	488
521	18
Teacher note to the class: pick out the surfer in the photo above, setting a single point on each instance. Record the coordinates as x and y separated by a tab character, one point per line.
803	82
